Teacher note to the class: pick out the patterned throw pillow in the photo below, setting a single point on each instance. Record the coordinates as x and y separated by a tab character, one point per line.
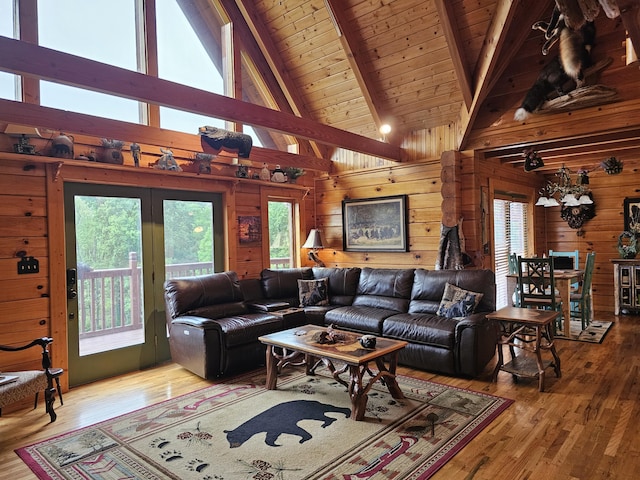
458	302
313	292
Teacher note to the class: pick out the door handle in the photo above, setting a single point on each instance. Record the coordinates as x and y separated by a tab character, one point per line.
72	278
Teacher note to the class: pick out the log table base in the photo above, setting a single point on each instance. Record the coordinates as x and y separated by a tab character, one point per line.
285	348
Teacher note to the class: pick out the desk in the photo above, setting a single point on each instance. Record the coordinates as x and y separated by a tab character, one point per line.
563	280
517	326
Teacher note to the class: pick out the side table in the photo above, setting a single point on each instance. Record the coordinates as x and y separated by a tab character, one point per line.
530	330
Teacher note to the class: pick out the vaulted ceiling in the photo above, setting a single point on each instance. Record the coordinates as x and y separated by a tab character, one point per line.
414	64
329	72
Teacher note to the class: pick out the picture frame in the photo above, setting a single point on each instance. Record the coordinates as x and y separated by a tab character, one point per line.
375	224
632	215
249	229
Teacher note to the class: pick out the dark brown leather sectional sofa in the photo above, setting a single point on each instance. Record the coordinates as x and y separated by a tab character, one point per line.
215	320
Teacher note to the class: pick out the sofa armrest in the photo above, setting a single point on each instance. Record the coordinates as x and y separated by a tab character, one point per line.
266	305
473	320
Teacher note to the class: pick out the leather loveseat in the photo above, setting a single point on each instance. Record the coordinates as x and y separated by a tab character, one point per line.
404	304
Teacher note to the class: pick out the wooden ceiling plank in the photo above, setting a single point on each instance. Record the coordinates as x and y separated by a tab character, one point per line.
27	59
454	42
255	27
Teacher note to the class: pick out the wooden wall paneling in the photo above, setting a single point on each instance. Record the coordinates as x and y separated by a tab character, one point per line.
58	325
419	181
23	230
600	233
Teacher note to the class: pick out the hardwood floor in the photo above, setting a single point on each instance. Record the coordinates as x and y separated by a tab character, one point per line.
584	426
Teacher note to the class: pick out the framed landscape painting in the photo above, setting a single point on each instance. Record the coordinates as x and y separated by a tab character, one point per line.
375	224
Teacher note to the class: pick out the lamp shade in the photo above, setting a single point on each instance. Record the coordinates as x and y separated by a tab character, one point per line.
313	240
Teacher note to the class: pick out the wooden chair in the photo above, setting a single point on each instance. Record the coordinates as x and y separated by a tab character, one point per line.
581	300
29	383
536	285
574	255
513	269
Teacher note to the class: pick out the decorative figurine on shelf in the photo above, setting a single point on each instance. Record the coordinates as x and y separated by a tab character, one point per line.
167	162
135	153
63	146
203	162
242	171
218	139
265	174
278	175
112	151
293	173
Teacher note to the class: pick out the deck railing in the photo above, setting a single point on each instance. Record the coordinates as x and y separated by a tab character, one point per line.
110	300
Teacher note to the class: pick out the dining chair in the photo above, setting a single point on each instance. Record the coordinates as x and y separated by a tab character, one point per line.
575	254
536	285
513	270
581	300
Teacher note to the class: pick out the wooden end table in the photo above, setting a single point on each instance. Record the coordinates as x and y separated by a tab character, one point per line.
296	341
531	330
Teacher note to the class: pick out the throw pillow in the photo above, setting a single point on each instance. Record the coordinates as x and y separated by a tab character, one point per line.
313	292
458	302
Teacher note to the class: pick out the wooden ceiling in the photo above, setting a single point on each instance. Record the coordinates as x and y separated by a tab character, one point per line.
415	64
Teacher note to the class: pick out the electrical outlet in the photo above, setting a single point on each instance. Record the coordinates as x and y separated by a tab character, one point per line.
28	265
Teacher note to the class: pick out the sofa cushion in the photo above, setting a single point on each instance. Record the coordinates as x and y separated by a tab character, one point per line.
458	302
384	288
362	319
219	311
243	329
343	283
187	294
428	288
313	292
283	284
424	329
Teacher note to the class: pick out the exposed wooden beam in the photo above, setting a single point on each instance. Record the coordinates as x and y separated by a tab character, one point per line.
630	14
456	48
350	43
78	123
493	61
267	59
27	59
206	18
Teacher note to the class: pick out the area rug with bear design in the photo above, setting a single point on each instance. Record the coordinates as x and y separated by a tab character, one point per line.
237	429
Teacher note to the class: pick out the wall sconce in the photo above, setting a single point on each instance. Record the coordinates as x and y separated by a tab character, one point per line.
314	242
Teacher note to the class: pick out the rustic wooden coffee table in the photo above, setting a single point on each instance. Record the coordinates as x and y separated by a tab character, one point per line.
298	346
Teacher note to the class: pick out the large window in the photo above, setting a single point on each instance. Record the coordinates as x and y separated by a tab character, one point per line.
8	81
183	59
281	234
113	33
101	31
511	235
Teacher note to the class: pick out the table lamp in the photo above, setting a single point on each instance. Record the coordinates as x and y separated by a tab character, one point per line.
314	242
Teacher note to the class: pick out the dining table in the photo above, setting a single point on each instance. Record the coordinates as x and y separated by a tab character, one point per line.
563	280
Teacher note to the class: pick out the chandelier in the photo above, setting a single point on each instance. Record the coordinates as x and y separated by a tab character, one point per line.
565	192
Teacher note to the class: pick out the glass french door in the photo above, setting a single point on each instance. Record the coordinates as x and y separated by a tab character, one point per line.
122	243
